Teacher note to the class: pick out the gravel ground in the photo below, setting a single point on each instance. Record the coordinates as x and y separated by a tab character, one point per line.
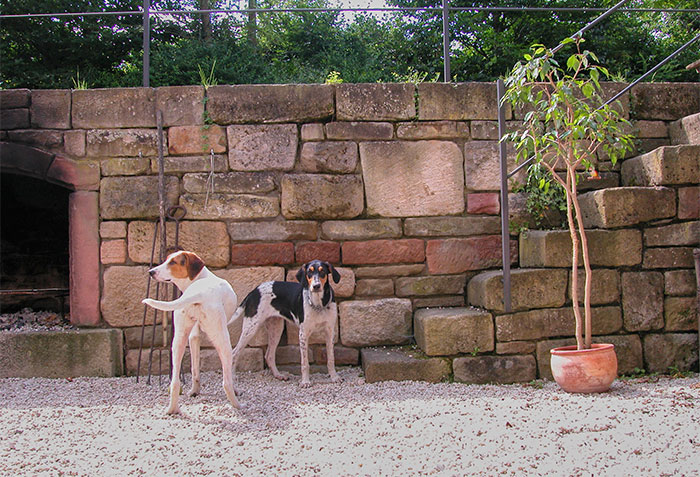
115	426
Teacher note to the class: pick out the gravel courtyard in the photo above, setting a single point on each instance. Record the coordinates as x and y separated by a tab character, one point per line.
115	426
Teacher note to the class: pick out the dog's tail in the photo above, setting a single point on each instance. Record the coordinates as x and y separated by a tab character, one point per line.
237	314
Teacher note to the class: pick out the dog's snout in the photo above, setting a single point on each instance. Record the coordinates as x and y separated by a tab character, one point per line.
317	286
152	272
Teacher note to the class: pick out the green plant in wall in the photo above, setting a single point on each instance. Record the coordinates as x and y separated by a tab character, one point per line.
565	127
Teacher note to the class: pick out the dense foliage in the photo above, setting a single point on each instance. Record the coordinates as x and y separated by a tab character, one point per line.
306	47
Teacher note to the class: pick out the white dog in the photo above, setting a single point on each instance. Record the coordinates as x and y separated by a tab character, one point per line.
207	301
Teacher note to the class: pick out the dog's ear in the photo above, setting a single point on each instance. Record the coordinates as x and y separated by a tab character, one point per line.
334	272
194	265
300	275
172	250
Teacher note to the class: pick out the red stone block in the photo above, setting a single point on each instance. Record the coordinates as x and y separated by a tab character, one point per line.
460	255
343	355
483	203
262	253
196	139
689	203
384	251
84	244
328	251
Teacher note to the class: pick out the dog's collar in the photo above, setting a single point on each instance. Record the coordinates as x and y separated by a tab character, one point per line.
309	301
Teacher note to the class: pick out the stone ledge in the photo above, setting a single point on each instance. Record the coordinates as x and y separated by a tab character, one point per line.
401	364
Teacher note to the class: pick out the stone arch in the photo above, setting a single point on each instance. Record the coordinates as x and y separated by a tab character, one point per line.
83	179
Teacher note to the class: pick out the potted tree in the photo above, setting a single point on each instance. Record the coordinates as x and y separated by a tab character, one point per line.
565	129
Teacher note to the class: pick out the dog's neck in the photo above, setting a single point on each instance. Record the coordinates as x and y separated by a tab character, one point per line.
314	299
183	283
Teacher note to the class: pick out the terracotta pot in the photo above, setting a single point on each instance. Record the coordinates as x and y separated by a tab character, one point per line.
584	371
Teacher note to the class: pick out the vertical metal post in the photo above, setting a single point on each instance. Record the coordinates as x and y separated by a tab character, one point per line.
446	40
146	43
505	235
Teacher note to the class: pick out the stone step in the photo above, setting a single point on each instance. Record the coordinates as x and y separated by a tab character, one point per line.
495	369
450	331
667	165
626	206
686	130
403	364
530	288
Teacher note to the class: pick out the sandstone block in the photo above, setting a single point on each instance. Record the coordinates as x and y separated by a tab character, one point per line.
681	313
15	98
196	139
605	286
312	132
14	118
432	130
483	203
343	355
448	331
74	143
397	364
383	251
243	280
607	248
516	347
46	139
667	101
122	142
330	157
359	131
457	101
484	130
642	300
412	178
361	229
674	257
230	182
495	369
291	354
375	287
181	105
134	197
318	196
678	350
482	166
651	129
389	271
84	258
689	203
78	175
424	286
461	255
122	291
685	130
125	166
626	206
271	231
262	253
113	251
262	147
530	288
113	229
375	101
229	206
685	233
326	251
679	282
451	226
113	108
50	109
384	321
669	165
230	104
439	301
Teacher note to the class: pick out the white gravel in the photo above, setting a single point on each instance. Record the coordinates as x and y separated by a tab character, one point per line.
115	426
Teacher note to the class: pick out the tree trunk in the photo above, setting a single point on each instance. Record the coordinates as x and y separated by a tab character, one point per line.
206	21
252	23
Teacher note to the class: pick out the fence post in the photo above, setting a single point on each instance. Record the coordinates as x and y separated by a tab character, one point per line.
146	43
446	40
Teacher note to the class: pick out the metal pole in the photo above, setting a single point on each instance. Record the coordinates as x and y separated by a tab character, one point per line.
146	43
592	24
505	235
446	40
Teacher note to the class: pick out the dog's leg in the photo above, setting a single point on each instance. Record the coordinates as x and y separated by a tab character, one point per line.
194	341
249	328
330	352
304	350
275	327
215	328
182	325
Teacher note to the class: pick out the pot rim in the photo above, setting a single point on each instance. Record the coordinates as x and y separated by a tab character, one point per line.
571	349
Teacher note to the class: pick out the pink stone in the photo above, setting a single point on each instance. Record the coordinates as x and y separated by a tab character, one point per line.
384	251
460	255
689	203
483	203
262	253
84	244
327	251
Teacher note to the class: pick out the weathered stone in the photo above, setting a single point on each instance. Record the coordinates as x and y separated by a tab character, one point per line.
134	197
670	165
643	300
686	233
686	130
122	142
482	166
262	147
326	251
78	175
196	139
375	287
689	203
113	251
451	226
14	118
125	166
383	251
483	203
50	109
649	129
46	139
516	347
113	108
230	183
375	101
122	291
604	180
626	206
113	229
181	105
343	356
61	354
461	255
84	258
444	301
458	101
412	178
520	218
422	286
495	369
269	231
359	131
398	364
229	206
15	98
605	286
607	248
677	350
291	354
448	331
674	257
484	130
385	321
262	253
361	229
317	196
336	156
389	271
681	313
530	288
432	130
74	143
203	163
679	282
312	132
229	104
667	101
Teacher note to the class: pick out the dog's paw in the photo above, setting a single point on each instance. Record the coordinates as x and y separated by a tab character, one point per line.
173	410
305	384
336	379
282	376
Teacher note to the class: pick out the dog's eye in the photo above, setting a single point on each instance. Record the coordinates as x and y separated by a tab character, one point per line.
321	272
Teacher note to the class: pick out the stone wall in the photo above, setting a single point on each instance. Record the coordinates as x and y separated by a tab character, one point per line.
395	184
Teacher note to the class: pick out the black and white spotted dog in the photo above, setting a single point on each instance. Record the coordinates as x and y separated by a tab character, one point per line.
309	304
